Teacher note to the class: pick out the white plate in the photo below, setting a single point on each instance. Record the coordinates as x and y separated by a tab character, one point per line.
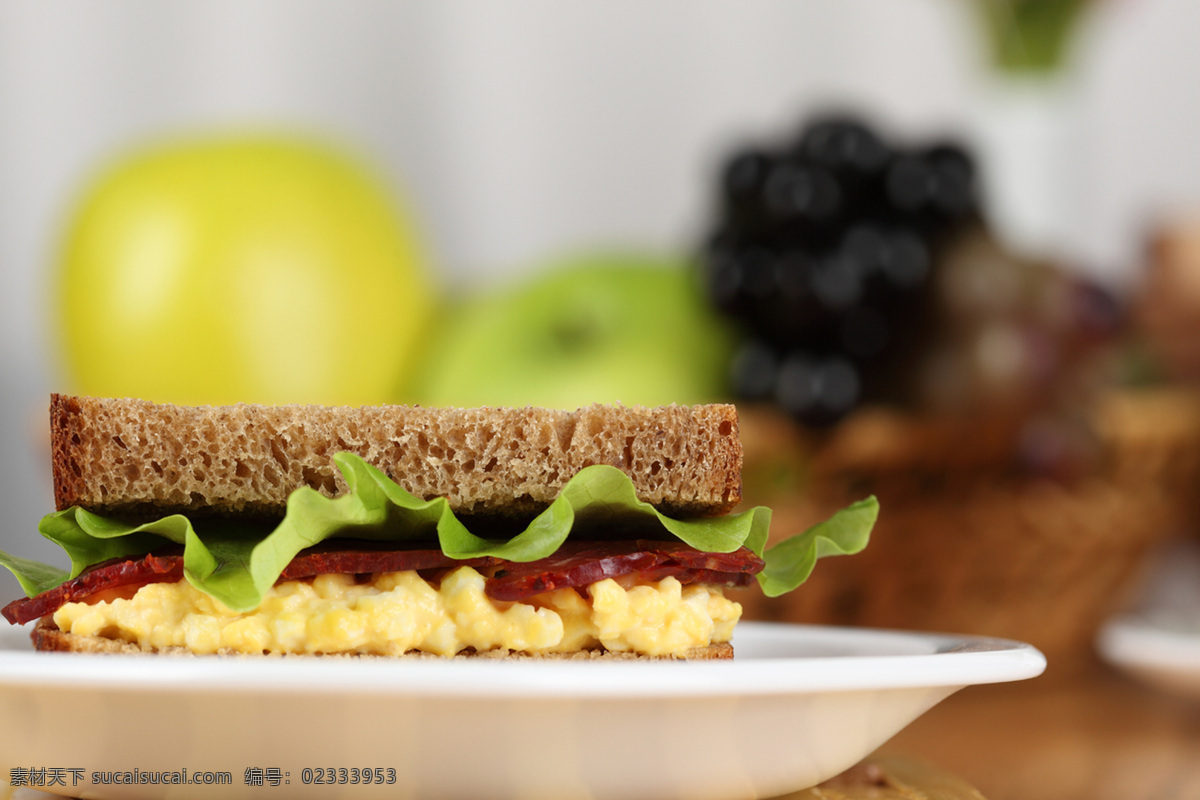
1158	639
796	706
1161	650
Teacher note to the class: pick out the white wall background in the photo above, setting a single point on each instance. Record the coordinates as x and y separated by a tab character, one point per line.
524	127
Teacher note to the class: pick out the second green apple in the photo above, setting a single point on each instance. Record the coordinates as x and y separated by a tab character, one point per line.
602	328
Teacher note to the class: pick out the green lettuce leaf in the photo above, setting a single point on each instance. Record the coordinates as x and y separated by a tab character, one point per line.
34	576
789	563
237	563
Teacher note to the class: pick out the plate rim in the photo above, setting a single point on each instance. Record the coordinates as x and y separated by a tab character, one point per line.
942	660
1138	640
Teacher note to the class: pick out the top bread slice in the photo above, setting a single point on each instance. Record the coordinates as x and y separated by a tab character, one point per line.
136	458
48	638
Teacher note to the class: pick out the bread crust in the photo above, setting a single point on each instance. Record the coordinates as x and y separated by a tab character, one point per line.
47	637
132	457
65	441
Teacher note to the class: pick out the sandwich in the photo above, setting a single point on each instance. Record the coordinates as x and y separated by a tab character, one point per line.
604	532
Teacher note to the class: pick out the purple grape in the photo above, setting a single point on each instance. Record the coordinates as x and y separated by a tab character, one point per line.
817	390
843	144
744	176
753	372
796	193
826	255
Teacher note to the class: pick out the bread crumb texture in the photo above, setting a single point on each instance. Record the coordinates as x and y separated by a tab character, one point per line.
133	456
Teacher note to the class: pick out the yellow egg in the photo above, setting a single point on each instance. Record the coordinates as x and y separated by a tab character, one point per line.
399	612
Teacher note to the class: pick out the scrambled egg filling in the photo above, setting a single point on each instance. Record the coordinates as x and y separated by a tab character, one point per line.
400	611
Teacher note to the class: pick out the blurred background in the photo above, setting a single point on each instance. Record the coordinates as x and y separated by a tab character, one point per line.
942	250
945	251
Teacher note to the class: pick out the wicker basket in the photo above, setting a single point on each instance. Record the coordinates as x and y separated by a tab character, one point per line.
1154	438
963	544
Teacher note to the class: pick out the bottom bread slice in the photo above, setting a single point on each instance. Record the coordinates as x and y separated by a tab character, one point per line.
48	638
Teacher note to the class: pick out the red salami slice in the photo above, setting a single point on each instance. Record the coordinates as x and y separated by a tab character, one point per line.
367	557
578	564
106	575
326	558
574	565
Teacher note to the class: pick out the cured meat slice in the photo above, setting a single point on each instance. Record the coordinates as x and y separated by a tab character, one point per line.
578	564
111	574
326	558
361	558
575	564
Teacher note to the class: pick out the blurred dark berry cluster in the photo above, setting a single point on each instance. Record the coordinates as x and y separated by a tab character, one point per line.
824	250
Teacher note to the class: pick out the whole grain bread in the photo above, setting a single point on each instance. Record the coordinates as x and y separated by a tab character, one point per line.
133	457
46	636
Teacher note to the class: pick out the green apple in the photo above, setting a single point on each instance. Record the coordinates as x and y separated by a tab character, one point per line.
267	269
594	328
